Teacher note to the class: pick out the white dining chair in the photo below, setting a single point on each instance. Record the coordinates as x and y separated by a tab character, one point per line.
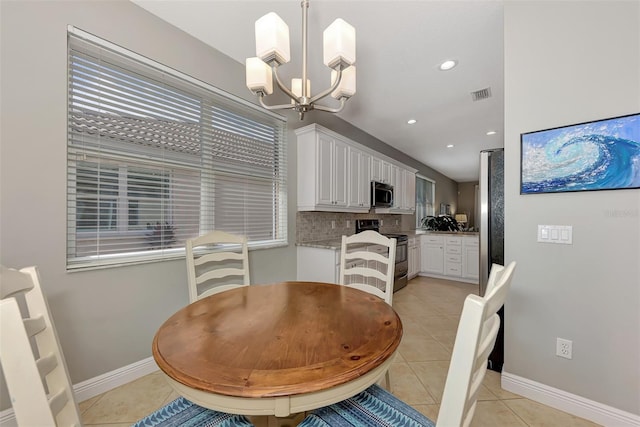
39	386
475	338
216	262
367	262
28	376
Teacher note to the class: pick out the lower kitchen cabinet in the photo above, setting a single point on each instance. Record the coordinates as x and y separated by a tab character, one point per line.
318	264
471	257
432	254
413	257
322	264
450	256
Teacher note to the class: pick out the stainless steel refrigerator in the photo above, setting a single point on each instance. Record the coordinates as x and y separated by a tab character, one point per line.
491	221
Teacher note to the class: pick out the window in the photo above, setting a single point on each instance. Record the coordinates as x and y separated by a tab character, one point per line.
425	194
156	157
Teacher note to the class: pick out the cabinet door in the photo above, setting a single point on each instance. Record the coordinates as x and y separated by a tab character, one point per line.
397	181
432	258
409	191
470	258
414	259
353	198
386	172
359	182
324	189
376	169
364	180
340	173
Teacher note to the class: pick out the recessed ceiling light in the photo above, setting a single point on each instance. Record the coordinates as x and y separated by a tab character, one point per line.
491	132
448	64
450	146
411	121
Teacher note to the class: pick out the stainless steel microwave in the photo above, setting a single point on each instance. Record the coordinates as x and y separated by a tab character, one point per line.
381	195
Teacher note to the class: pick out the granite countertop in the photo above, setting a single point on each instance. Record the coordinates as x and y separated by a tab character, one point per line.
336	242
458	233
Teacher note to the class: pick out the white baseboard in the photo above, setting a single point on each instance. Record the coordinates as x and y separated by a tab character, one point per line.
97	385
570	403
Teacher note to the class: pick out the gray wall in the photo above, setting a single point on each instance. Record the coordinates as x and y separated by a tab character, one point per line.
566	63
105	318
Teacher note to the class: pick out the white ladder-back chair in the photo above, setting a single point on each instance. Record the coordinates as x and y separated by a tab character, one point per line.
40	389
475	338
216	262
363	269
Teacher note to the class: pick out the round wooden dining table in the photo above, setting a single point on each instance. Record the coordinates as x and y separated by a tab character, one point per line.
278	349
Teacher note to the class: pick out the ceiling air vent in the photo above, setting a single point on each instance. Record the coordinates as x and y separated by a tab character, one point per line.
481	94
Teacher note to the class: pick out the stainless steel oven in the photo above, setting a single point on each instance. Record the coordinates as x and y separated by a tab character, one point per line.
401	268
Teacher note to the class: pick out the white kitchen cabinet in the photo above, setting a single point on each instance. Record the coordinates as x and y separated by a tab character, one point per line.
359	181
450	256
432	254
409	204
397	181
413	257
403	182
322	264
318	264
332	171
471	257
381	170
453	256
323	171
335	173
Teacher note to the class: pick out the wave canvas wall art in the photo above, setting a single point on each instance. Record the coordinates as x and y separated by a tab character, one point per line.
598	155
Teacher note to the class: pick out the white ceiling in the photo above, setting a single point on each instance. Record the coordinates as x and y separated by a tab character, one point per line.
399	45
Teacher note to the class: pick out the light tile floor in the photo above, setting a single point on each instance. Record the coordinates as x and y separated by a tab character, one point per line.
430	309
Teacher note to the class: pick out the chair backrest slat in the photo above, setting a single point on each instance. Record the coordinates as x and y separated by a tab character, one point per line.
216	262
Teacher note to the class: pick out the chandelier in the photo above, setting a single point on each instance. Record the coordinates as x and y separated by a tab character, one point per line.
272	50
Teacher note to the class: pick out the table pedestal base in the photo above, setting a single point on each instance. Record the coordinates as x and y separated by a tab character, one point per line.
273	421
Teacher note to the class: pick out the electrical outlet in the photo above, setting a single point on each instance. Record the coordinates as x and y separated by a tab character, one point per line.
348	224
397	222
381	223
333	225
564	348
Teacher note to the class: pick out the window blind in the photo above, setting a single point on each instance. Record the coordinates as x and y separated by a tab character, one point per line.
156	157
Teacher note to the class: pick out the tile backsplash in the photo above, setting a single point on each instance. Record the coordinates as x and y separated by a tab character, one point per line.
314	226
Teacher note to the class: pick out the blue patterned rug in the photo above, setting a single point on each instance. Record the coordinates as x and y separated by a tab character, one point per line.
184	413
374	407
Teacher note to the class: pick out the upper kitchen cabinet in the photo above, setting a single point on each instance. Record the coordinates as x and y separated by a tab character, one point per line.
403	181
335	174
359	179
381	170
324	176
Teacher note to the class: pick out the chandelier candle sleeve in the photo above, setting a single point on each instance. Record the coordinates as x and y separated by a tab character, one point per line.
259	76
272	39
339	43
296	88
347	86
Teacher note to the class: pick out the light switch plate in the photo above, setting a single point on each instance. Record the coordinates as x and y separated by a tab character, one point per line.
560	234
